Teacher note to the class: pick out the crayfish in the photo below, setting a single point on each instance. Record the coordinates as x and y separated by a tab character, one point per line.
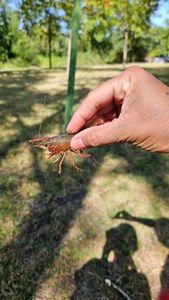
59	146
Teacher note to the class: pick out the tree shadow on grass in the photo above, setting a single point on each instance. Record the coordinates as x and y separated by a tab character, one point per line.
121	272
26	260
161	229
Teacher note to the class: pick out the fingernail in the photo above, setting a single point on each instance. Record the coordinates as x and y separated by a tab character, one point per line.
68	128
77	144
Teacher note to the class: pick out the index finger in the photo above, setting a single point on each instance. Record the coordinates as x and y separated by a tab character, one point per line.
95	100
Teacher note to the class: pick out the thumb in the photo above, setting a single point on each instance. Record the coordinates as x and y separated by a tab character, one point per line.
107	133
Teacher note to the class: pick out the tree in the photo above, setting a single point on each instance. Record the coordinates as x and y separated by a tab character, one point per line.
43	13
158	41
5	34
133	17
128	17
96	25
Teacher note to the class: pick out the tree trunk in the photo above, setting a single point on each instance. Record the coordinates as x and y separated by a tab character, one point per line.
50	42
125	48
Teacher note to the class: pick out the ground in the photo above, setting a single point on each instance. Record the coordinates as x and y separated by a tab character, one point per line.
62	236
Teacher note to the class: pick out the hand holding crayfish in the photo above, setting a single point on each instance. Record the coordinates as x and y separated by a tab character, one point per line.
137	104
133	107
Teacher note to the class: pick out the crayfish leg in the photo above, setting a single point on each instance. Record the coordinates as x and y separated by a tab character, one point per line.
51	154
58	157
52	151
60	163
72	161
81	154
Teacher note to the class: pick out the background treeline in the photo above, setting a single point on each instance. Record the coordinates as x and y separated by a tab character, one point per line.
37	32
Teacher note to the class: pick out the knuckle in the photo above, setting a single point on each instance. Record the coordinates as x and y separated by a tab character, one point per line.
135	70
92	138
136	73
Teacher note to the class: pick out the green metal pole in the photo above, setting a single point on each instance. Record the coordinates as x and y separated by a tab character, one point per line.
73	56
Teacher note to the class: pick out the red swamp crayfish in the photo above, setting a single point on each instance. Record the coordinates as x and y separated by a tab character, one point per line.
60	145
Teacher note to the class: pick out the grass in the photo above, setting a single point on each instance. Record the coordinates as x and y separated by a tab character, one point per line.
57	62
60	237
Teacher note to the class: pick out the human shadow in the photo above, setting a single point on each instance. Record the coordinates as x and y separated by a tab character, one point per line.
91	279
161	229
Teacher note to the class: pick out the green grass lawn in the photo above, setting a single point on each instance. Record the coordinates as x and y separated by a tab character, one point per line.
62	236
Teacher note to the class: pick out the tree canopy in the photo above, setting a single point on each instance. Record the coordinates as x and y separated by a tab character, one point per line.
117	30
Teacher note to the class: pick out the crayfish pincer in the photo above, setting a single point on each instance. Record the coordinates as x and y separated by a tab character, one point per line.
59	146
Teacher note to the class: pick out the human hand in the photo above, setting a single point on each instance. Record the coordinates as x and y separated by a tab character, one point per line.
136	105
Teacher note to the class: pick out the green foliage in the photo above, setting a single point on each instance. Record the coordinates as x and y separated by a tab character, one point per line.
43	13
5	34
26	50
158	41
35	31
114	53
106	19
60	46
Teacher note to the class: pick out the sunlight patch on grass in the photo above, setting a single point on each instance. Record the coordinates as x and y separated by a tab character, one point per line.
18	159
38	114
6	134
28	189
